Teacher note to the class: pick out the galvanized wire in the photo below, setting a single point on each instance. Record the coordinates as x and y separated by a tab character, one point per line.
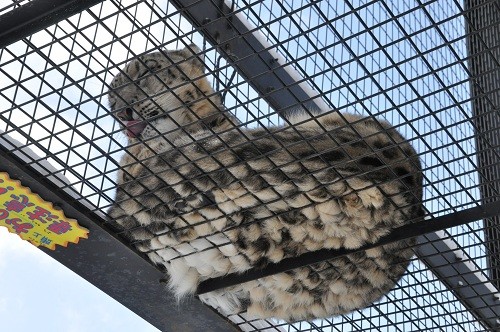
404	62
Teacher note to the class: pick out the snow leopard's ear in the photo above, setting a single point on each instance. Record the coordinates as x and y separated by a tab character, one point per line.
195	56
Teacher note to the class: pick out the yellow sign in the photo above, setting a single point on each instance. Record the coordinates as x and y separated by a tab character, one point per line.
34	219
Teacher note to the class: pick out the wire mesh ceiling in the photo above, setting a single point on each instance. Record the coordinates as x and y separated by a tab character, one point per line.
431	69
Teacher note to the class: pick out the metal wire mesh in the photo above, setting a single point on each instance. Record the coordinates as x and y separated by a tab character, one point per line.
9	5
406	62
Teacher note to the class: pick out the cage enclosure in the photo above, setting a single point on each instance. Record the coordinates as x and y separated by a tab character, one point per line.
429	70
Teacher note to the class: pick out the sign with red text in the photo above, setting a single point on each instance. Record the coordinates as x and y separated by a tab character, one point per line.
33	219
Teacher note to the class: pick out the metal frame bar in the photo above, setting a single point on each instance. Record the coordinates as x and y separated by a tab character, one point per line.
401	233
36	15
484	63
251	55
444	258
111	265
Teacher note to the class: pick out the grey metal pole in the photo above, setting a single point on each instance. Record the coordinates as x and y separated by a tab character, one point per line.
483	23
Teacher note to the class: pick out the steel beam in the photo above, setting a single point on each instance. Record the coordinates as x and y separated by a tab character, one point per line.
251	55
401	233
36	15
444	257
483	24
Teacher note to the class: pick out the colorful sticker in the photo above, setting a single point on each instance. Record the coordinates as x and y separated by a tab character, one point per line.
34	219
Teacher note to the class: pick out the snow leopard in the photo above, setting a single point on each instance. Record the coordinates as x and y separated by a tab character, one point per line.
203	196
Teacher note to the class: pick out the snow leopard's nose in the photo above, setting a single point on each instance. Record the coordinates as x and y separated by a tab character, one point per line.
125	115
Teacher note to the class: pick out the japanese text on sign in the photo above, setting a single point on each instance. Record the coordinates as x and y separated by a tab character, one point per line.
34	219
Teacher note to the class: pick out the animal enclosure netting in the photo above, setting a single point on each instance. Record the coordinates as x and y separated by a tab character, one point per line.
411	63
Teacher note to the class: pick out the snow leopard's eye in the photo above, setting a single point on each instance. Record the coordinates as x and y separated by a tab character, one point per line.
125	115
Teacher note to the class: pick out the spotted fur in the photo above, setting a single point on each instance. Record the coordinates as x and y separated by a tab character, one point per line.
202	205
